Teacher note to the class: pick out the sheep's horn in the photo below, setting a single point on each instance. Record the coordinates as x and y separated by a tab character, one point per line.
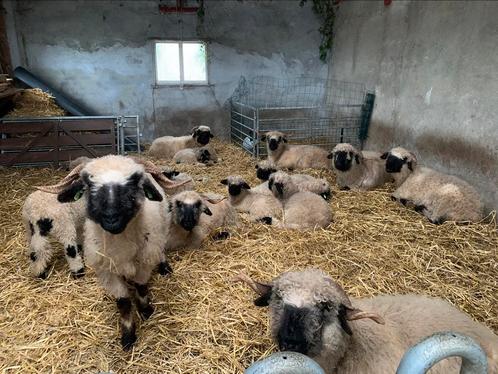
259	288
214	201
64	183
354	314
344	296
158	175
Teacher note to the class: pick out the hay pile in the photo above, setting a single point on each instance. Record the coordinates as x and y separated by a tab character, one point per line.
202	322
35	103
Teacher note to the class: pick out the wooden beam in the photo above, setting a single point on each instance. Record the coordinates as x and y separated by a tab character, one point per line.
5	60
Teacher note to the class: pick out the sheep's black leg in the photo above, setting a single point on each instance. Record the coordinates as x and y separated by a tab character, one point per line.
266	220
145	308
128	336
403	201
164	268
419	208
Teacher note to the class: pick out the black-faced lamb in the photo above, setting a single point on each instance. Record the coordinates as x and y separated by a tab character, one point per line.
201	156
259	206
44	217
194	216
440	197
185	181
357	170
304	182
288	156
126	227
166	147
302	209
310	313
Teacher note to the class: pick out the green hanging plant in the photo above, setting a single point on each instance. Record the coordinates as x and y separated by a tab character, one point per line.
325	9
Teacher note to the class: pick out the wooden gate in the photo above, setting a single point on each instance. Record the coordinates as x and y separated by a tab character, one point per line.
55	140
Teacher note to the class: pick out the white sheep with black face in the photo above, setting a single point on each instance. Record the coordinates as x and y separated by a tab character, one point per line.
202	156
310	313
357	170
167	146
296	156
302	209
126	227
259	206
304	182
184	180
440	197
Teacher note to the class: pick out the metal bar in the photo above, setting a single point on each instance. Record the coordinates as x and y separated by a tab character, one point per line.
241	124
63	118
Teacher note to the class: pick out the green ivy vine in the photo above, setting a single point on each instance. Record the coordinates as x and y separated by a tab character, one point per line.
325	9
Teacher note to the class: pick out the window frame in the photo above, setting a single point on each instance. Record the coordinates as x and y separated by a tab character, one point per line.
181	82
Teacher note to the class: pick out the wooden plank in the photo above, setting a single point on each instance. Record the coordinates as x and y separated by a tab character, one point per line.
53	140
88	124
5	60
29	145
24	127
52	156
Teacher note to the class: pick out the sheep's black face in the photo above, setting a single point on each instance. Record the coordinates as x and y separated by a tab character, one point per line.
187	215
234	189
203	136
113	205
394	164
264	174
343	160
274	142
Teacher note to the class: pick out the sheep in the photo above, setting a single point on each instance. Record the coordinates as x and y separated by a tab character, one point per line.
302	209
77	161
310	313
261	207
201	156
439	197
294	156
358	170
43	217
176	176
195	216
126	227
167	146
304	182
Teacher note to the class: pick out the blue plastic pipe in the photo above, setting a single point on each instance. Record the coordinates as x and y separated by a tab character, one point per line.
29	79
285	363
424	355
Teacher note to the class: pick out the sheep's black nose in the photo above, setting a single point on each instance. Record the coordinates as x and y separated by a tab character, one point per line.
273	144
280	188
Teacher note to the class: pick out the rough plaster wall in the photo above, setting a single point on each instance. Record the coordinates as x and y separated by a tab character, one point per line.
101	53
434	67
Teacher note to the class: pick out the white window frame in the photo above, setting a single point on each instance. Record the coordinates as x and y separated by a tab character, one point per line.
182	81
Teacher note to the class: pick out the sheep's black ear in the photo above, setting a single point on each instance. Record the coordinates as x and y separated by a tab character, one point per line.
342	315
170	174
257	167
284	138
357	159
263	137
211	135
384	155
224	181
330	155
263	300
151	192
270	183
170	207
72	193
246	186
195	131
207	211
410	165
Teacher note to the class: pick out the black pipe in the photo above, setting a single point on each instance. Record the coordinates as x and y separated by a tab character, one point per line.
32	81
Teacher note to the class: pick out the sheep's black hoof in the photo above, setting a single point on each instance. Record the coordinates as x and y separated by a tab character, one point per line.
78	273
438	221
345	188
165	268
43	275
128	338
419	208
222	235
403	201
146	311
393	198
326	195
266	220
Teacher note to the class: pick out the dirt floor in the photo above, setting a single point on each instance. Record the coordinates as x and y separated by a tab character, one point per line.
205	324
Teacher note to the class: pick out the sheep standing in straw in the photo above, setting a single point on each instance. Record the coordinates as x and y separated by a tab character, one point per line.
440	197
167	146
358	170
288	156
126	227
311	314
302	209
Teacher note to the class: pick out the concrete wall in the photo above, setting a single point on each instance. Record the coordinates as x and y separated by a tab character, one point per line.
434	67
101	53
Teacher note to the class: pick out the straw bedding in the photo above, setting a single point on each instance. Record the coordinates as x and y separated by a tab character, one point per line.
34	102
202	322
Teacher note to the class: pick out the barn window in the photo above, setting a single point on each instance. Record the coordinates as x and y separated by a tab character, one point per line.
181	62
